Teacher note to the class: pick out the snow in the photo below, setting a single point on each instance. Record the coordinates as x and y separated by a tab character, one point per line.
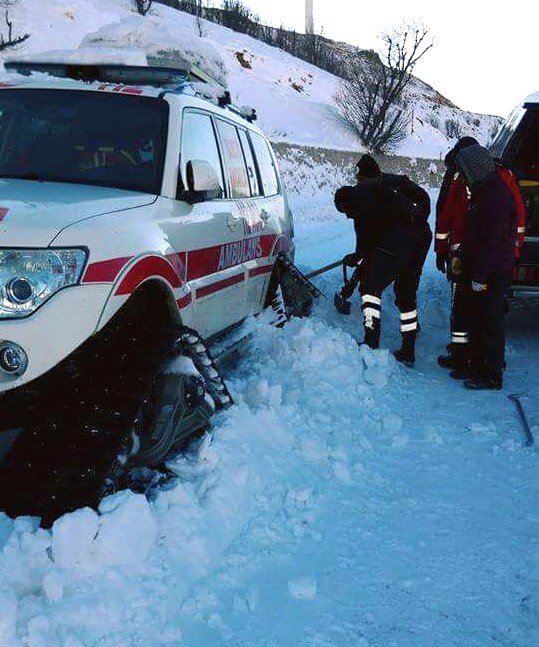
90	55
344	500
154	37
295	100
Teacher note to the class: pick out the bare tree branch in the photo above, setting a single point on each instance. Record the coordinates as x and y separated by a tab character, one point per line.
11	39
371	97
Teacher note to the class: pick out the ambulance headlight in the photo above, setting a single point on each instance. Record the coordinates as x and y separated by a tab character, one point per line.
29	277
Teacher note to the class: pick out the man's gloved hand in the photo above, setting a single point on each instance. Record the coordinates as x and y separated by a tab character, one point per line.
352	260
456	266
441	263
479	287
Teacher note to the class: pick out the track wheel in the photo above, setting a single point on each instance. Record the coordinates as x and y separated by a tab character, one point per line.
176	409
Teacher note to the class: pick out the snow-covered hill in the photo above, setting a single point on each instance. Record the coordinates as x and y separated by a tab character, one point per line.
294	98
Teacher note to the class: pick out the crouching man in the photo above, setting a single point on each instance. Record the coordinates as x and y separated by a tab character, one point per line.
392	241
488	254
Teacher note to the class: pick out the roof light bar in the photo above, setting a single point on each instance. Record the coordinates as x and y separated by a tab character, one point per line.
107	73
172	78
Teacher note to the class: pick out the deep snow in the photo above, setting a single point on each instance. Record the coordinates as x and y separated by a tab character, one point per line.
343	501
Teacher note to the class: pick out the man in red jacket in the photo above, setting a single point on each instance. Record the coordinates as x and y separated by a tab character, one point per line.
450	233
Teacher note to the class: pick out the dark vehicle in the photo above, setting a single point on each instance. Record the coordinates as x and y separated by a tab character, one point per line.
517	145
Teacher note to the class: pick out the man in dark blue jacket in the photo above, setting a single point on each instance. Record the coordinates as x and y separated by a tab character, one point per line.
488	258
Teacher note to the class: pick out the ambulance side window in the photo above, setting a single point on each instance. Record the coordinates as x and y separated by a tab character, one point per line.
266	165
250	162
234	161
199	143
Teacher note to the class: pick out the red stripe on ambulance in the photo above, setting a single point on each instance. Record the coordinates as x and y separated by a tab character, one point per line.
105	271
257	271
185	301
146	268
219	285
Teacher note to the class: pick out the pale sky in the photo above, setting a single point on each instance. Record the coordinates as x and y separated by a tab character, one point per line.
486	57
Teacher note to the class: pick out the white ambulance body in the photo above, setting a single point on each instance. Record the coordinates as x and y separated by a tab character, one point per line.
141	216
214	256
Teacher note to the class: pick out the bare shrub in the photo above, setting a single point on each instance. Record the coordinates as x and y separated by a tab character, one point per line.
143	6
371	97
12	40
453	129
434	121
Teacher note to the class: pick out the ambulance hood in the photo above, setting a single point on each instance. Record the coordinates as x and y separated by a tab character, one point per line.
33	213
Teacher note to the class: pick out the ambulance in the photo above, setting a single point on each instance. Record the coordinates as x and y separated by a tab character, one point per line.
141	218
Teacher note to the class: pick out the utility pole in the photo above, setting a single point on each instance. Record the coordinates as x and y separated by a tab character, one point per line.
309	17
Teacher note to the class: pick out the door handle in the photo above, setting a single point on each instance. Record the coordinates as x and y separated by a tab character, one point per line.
264	215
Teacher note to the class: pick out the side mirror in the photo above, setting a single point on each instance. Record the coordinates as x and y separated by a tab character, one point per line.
202	182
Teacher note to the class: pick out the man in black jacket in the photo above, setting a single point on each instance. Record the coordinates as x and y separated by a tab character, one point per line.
488	259
392	240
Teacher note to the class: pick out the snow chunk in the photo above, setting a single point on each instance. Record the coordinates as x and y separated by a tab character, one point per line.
84	542
73	538
127	532
8	616
304	588
152	36
53	586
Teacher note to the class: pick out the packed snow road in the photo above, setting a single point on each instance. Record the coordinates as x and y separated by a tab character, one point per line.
345	501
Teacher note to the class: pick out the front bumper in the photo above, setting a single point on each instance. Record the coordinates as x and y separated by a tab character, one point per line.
54	331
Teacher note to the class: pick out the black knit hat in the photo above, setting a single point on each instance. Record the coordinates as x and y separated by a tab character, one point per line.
463	142
368	167
475	163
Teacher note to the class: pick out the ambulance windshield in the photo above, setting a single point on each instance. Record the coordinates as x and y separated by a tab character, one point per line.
83	137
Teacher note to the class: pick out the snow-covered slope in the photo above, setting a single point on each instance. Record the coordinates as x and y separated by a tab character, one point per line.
294	98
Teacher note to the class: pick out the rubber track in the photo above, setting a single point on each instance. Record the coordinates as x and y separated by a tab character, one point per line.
77	426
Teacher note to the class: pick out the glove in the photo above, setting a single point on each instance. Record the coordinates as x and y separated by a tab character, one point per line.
479	287
352	260
456	266
441	263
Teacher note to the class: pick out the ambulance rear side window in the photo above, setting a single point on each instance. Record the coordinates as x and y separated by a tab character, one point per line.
250	162
266	165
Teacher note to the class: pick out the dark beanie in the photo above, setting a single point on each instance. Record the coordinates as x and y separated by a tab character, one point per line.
475	163
368	167
463	142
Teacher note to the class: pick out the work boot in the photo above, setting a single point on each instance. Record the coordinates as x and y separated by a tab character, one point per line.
493	383
446	361
372	335
406	354
465	372
458	359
